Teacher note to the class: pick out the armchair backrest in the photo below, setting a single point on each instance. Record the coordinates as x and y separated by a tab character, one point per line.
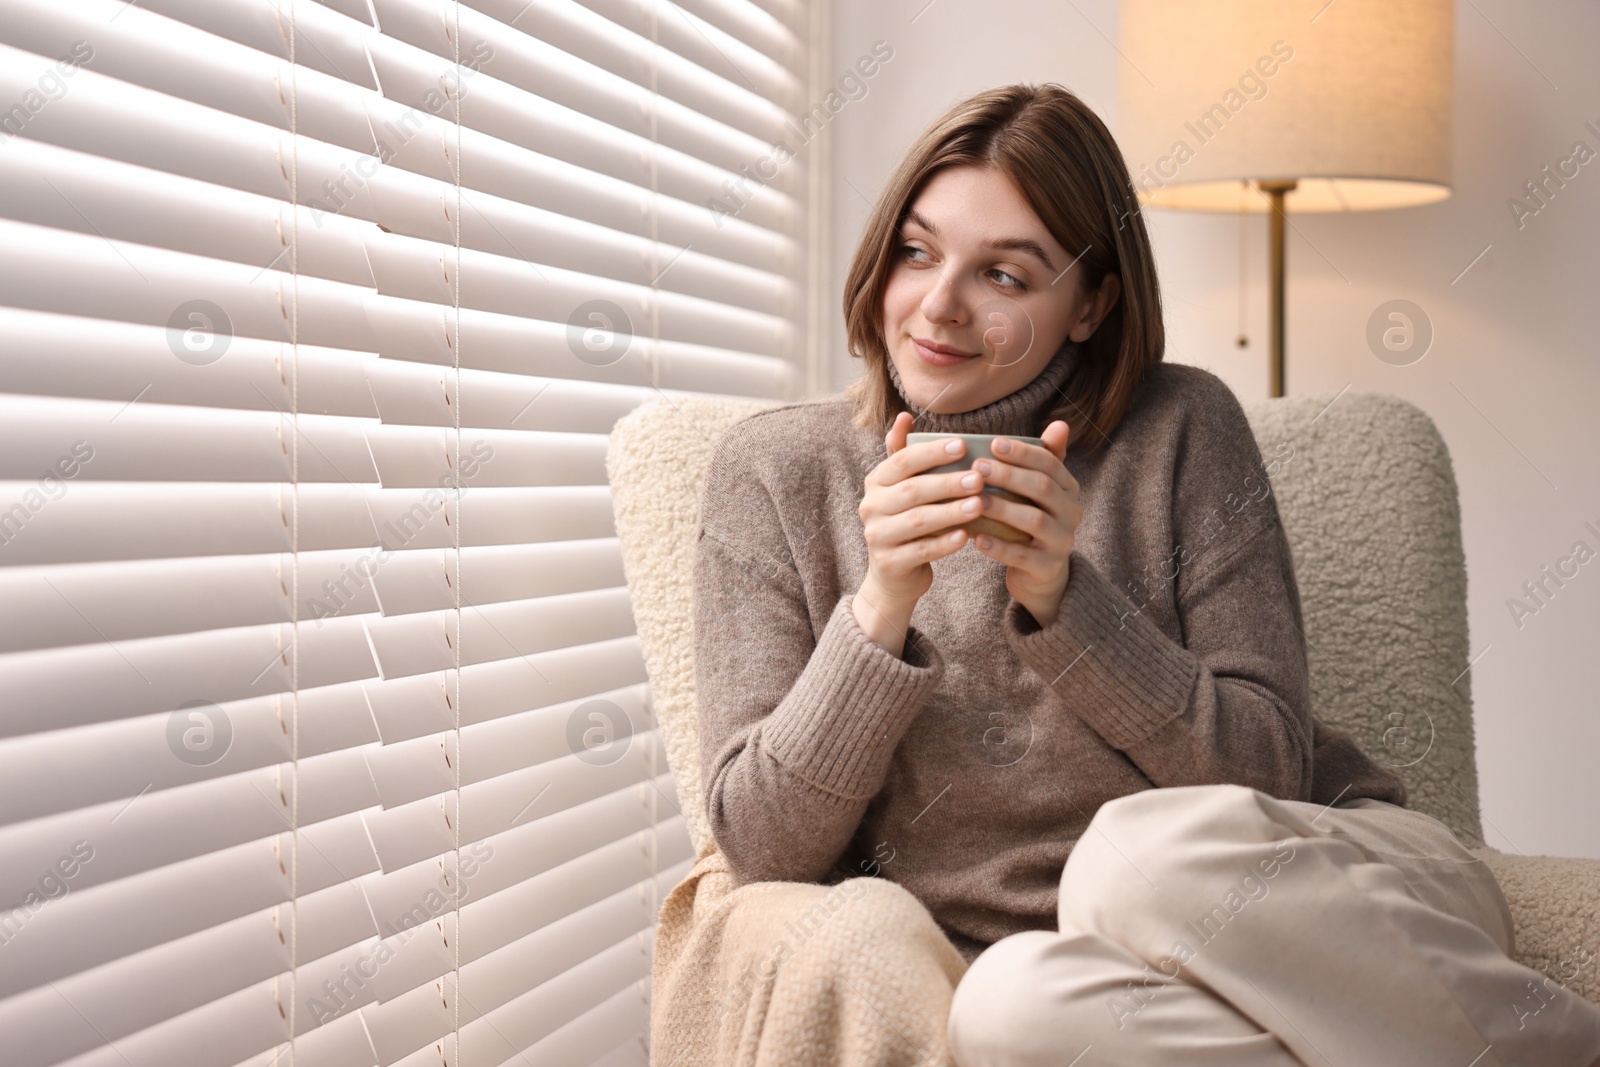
1367	495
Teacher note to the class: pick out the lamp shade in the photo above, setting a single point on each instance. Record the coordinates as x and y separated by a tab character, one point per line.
1349	98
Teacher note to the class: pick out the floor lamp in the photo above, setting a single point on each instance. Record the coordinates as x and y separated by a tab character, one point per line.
1287	107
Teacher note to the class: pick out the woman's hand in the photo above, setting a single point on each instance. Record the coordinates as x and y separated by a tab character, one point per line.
1036	571
907	517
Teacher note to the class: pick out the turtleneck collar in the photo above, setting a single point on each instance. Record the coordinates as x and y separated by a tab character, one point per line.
1022	413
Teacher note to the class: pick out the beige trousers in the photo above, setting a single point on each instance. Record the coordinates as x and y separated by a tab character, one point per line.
1216	925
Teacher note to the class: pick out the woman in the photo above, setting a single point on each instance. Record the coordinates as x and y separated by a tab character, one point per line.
1090	755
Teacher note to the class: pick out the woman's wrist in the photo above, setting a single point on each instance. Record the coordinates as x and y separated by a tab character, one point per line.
882	618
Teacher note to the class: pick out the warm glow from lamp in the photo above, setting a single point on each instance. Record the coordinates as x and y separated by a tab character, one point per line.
1350	99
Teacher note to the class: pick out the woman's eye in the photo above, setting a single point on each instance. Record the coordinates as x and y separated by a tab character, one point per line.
1006	281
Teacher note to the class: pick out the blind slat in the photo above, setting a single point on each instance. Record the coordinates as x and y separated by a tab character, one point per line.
323	41
626	1011
57	688
501	746
177	977
732	96
423	271
111	119
425	828
96	359
86	929
699	43
545	959
215	1035
426	766
111	520
56	772
764	34
79	274
419	82
185	898
143	442
166	826
546	71
67	190
536	1014
506	687
416	644
55	607
49	773
176	59
421	456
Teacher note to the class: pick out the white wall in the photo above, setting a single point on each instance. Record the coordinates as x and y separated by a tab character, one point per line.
1512	379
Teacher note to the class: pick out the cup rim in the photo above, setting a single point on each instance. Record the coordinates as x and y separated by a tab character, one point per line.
926	435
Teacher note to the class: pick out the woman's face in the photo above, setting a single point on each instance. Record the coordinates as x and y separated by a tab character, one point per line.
978	273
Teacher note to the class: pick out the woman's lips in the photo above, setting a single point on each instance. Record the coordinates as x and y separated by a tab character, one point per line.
937	358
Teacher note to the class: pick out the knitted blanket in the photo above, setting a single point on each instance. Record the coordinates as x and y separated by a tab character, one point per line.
791	974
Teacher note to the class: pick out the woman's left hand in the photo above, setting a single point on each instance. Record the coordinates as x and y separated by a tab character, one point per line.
1036	570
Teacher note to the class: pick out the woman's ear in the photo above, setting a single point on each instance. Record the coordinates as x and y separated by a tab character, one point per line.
1100	305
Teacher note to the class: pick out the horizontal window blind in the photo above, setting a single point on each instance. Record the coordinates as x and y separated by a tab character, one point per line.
326	736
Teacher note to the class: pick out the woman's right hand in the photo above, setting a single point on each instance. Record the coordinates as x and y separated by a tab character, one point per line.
907	517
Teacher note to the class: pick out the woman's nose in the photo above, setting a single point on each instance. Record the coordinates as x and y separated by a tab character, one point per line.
943	302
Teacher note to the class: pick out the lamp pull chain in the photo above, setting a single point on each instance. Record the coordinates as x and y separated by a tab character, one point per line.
1242	340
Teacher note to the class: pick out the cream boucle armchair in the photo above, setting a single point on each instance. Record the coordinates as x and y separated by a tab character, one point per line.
1367	494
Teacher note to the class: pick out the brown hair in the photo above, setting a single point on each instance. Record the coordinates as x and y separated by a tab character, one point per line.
1068	167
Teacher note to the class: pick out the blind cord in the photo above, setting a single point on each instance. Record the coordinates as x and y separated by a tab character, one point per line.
294	537
456	410
655	377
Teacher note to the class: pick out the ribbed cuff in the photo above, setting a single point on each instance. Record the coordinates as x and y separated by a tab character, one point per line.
1112	666
841	721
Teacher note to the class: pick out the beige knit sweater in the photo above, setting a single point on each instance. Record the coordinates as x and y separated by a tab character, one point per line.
965	769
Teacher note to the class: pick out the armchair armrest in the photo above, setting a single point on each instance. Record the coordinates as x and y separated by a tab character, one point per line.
1555	904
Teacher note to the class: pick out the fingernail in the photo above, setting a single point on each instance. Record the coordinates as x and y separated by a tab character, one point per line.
969	506
969	480
1002	446
953	445
983	466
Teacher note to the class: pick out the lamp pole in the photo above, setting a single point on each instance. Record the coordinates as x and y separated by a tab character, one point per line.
1276	281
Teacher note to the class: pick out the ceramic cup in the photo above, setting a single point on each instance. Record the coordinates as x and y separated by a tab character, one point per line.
979	447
